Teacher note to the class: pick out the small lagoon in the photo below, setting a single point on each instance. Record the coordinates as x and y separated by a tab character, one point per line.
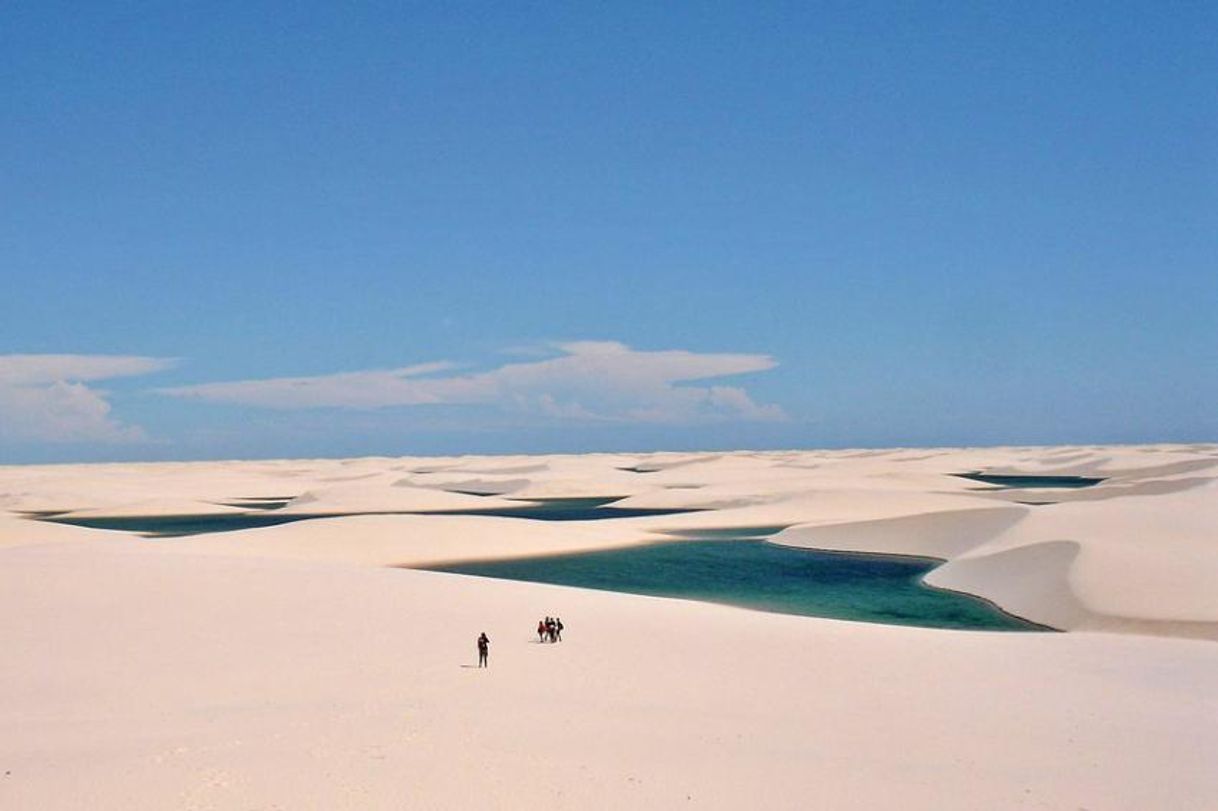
176	526
760	575
1013	482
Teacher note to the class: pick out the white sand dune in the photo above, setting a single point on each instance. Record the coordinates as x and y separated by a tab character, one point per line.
1131	562
154	507
378	497
291	667
943	534
416	540
463	483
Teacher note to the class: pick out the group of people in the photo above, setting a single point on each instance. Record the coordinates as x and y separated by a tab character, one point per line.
549	630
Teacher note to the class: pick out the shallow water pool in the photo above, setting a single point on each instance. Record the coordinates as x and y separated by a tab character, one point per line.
760	575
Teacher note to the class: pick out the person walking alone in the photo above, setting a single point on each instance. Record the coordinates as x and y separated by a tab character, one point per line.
484	646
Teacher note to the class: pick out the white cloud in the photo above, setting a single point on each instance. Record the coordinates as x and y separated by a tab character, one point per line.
22	370
588	380
44	397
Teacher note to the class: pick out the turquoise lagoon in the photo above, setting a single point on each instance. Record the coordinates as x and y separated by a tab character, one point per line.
765	576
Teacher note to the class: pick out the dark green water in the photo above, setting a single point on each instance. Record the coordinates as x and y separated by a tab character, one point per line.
755	574
568	509
171	526
1012	482
727	533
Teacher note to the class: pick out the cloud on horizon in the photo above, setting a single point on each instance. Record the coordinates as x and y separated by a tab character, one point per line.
599	381
44	398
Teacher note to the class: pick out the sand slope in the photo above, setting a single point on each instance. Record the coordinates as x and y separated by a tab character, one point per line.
185	682
290	667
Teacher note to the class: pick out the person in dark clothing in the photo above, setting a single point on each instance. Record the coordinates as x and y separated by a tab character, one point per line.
558	629
484	646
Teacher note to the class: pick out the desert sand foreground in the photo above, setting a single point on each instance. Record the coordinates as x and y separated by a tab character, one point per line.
298	667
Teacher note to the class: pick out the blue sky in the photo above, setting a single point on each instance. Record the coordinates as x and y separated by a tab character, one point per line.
337	229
